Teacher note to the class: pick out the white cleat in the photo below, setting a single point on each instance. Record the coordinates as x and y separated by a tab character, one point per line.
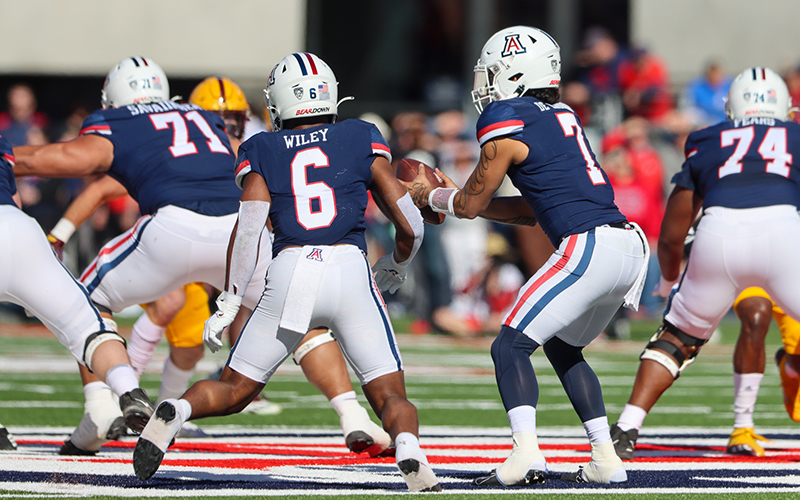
418	476
604	468
526	465
156	437
102	422
362	435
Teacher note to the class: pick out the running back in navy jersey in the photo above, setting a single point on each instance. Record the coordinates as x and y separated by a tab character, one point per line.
8	184
743	163
318	180
561	178
170	154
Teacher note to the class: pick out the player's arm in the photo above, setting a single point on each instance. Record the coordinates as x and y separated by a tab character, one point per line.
497	155
93	197
510	210
395	202
243	250
17	199
88	154
682	207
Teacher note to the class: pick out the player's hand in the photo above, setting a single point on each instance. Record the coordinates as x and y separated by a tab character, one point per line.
389	275
227	306
58	246
664	287
448	182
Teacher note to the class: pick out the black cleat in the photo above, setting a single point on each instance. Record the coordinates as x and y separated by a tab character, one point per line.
419	477
7	442
161	430
531	478
624	441
68	448
117	429
136	409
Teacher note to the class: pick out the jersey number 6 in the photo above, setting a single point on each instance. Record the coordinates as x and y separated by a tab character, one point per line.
314	202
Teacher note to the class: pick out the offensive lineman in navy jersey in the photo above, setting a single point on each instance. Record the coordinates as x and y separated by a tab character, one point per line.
311	178
742	174
600	261
31	276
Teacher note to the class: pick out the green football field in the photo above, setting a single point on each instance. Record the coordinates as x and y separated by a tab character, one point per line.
450	380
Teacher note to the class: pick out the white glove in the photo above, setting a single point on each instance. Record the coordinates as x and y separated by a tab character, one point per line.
664	287
389	275
227	306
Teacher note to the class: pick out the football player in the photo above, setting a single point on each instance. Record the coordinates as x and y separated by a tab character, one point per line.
32	277
311	178
600	260
740	172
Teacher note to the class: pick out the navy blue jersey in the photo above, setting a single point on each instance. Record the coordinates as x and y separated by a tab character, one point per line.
743	163
318	180
560	179
170	154
8	185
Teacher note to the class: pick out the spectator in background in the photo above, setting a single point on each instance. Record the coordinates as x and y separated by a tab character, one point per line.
22	124
644	83
705	95
792	78
600	63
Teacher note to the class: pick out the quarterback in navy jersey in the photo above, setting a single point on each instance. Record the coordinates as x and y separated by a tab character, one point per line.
32	277
310	177
743	174
599	263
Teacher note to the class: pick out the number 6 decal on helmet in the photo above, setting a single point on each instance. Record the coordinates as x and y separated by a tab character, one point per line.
315	202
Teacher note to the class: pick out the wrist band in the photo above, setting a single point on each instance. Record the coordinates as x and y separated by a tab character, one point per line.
63	230
441	200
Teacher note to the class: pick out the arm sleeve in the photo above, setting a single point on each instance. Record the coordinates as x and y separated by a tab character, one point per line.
244	254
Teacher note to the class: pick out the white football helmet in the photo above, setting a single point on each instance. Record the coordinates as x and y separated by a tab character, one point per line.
758	92
513	61
299	86
134	80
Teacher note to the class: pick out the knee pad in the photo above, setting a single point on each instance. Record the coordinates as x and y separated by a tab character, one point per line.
312	344
510	340
674	360
93	342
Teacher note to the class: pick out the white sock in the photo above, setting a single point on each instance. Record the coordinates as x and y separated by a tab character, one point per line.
144	339
121	379
745	390
408	447
92	390
597	430
174	381
345	402
184	409
632	418
522	418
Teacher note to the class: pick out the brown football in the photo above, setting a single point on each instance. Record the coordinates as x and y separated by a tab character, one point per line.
407	170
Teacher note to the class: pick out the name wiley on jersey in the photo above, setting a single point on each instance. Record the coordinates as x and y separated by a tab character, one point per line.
297	140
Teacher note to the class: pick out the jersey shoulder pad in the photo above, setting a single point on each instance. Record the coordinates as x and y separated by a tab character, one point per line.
6	152
497	120
377	141
96	123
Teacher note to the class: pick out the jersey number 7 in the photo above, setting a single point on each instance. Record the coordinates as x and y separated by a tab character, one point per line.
571	129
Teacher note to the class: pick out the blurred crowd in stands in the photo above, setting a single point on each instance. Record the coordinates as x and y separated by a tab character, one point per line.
468	273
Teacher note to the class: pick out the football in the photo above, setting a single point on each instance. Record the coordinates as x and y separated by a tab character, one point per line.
407	170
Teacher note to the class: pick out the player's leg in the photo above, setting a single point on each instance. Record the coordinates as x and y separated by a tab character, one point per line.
788	360
323	365
150	327
364	331
206	398
754	309
705	295
65	308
